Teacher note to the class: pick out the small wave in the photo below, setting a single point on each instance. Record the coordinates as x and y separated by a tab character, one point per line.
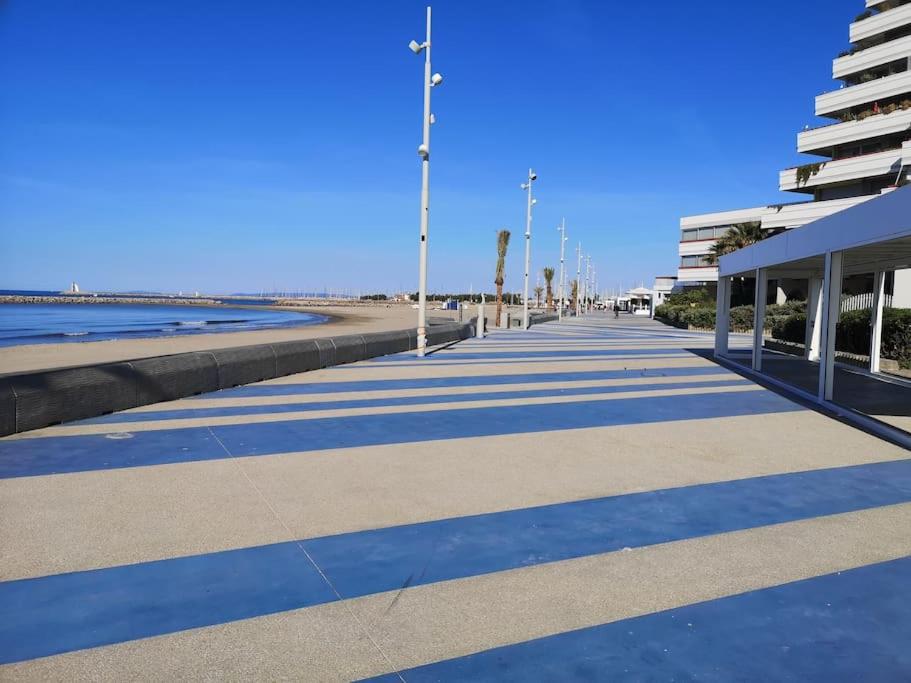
74	334
190	323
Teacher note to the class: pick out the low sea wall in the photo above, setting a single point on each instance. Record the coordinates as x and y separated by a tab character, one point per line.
40	399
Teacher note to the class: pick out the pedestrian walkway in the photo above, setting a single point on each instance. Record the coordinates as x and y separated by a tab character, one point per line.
592	499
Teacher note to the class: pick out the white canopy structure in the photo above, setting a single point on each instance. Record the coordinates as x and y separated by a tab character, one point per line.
873	237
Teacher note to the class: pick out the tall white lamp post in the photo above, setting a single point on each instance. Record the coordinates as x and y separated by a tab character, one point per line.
588	274
562	230
532	177
424	153
579	280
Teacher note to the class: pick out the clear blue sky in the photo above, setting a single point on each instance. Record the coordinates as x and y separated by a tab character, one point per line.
223	145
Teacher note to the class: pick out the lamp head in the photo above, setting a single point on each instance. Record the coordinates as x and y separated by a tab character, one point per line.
523	186
423	152
436	79
532	176
415	47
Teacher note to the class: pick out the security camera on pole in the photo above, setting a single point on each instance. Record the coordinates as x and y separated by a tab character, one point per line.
430	81
532	177
562	230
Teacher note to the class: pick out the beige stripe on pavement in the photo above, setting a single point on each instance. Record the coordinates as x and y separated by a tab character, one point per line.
429	623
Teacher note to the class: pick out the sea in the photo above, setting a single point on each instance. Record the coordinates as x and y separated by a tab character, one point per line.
59	323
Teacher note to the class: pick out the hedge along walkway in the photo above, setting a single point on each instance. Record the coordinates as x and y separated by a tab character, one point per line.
787	323
586	498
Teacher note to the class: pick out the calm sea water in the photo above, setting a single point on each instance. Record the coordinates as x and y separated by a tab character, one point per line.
55	323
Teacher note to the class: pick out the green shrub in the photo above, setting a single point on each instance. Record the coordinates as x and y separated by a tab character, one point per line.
897	336
791	328
688	297
741	319
703	318
854	334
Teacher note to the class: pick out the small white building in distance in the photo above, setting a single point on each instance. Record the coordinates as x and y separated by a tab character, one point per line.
661	290
862	151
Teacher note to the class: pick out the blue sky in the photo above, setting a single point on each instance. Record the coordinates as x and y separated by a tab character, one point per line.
237	146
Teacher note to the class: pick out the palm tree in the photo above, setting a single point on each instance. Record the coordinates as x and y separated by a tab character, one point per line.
738	236
539	290
549	279
502	246
575	293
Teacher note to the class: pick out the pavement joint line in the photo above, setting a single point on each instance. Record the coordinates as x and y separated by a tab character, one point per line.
300	546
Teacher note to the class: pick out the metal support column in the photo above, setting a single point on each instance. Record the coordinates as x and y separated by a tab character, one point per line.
831	309
876	319
762	288
722	316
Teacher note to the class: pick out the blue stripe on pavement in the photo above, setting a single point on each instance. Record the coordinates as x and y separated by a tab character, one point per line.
444	382
62	454
225	411
64	612
564	354
854	625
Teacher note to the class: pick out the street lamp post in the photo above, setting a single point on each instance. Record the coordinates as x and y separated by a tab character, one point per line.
532	177
588	272
579	280
424	153
562	230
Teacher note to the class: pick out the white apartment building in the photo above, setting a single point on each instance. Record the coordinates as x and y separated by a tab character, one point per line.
863	150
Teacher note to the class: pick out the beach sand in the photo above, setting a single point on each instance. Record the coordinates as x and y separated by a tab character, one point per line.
345	320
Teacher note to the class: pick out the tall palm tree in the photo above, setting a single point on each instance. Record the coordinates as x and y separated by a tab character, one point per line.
539	290
502	246
575	293
549	279
738	236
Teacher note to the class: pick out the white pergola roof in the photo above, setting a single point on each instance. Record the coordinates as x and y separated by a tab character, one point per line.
639	293
864	228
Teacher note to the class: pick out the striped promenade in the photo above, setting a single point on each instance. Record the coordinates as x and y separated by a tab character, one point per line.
588	500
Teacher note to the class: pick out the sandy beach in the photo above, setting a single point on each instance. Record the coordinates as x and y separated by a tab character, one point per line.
344	320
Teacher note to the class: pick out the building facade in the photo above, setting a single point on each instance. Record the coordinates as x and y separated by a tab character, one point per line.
861	152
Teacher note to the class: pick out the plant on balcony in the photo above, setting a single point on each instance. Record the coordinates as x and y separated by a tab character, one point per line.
863	15
905	104
807	171
739	235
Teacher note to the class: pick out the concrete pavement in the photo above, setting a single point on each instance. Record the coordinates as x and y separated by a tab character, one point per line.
589	499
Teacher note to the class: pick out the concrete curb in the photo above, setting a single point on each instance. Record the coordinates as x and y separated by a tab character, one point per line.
40	399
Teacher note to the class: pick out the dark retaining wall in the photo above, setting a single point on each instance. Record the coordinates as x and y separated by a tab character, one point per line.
39	399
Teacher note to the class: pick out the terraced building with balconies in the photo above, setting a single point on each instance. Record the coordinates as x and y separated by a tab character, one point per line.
862	151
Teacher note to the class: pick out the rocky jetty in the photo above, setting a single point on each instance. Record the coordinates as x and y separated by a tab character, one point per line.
101	299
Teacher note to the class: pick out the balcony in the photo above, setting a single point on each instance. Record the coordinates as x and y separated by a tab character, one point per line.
707	274
710	220
696	247
880	23
820	140
795	215
871	4
872	57
846	170
867	93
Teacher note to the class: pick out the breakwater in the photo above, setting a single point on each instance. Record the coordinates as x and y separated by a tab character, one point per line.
100	299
